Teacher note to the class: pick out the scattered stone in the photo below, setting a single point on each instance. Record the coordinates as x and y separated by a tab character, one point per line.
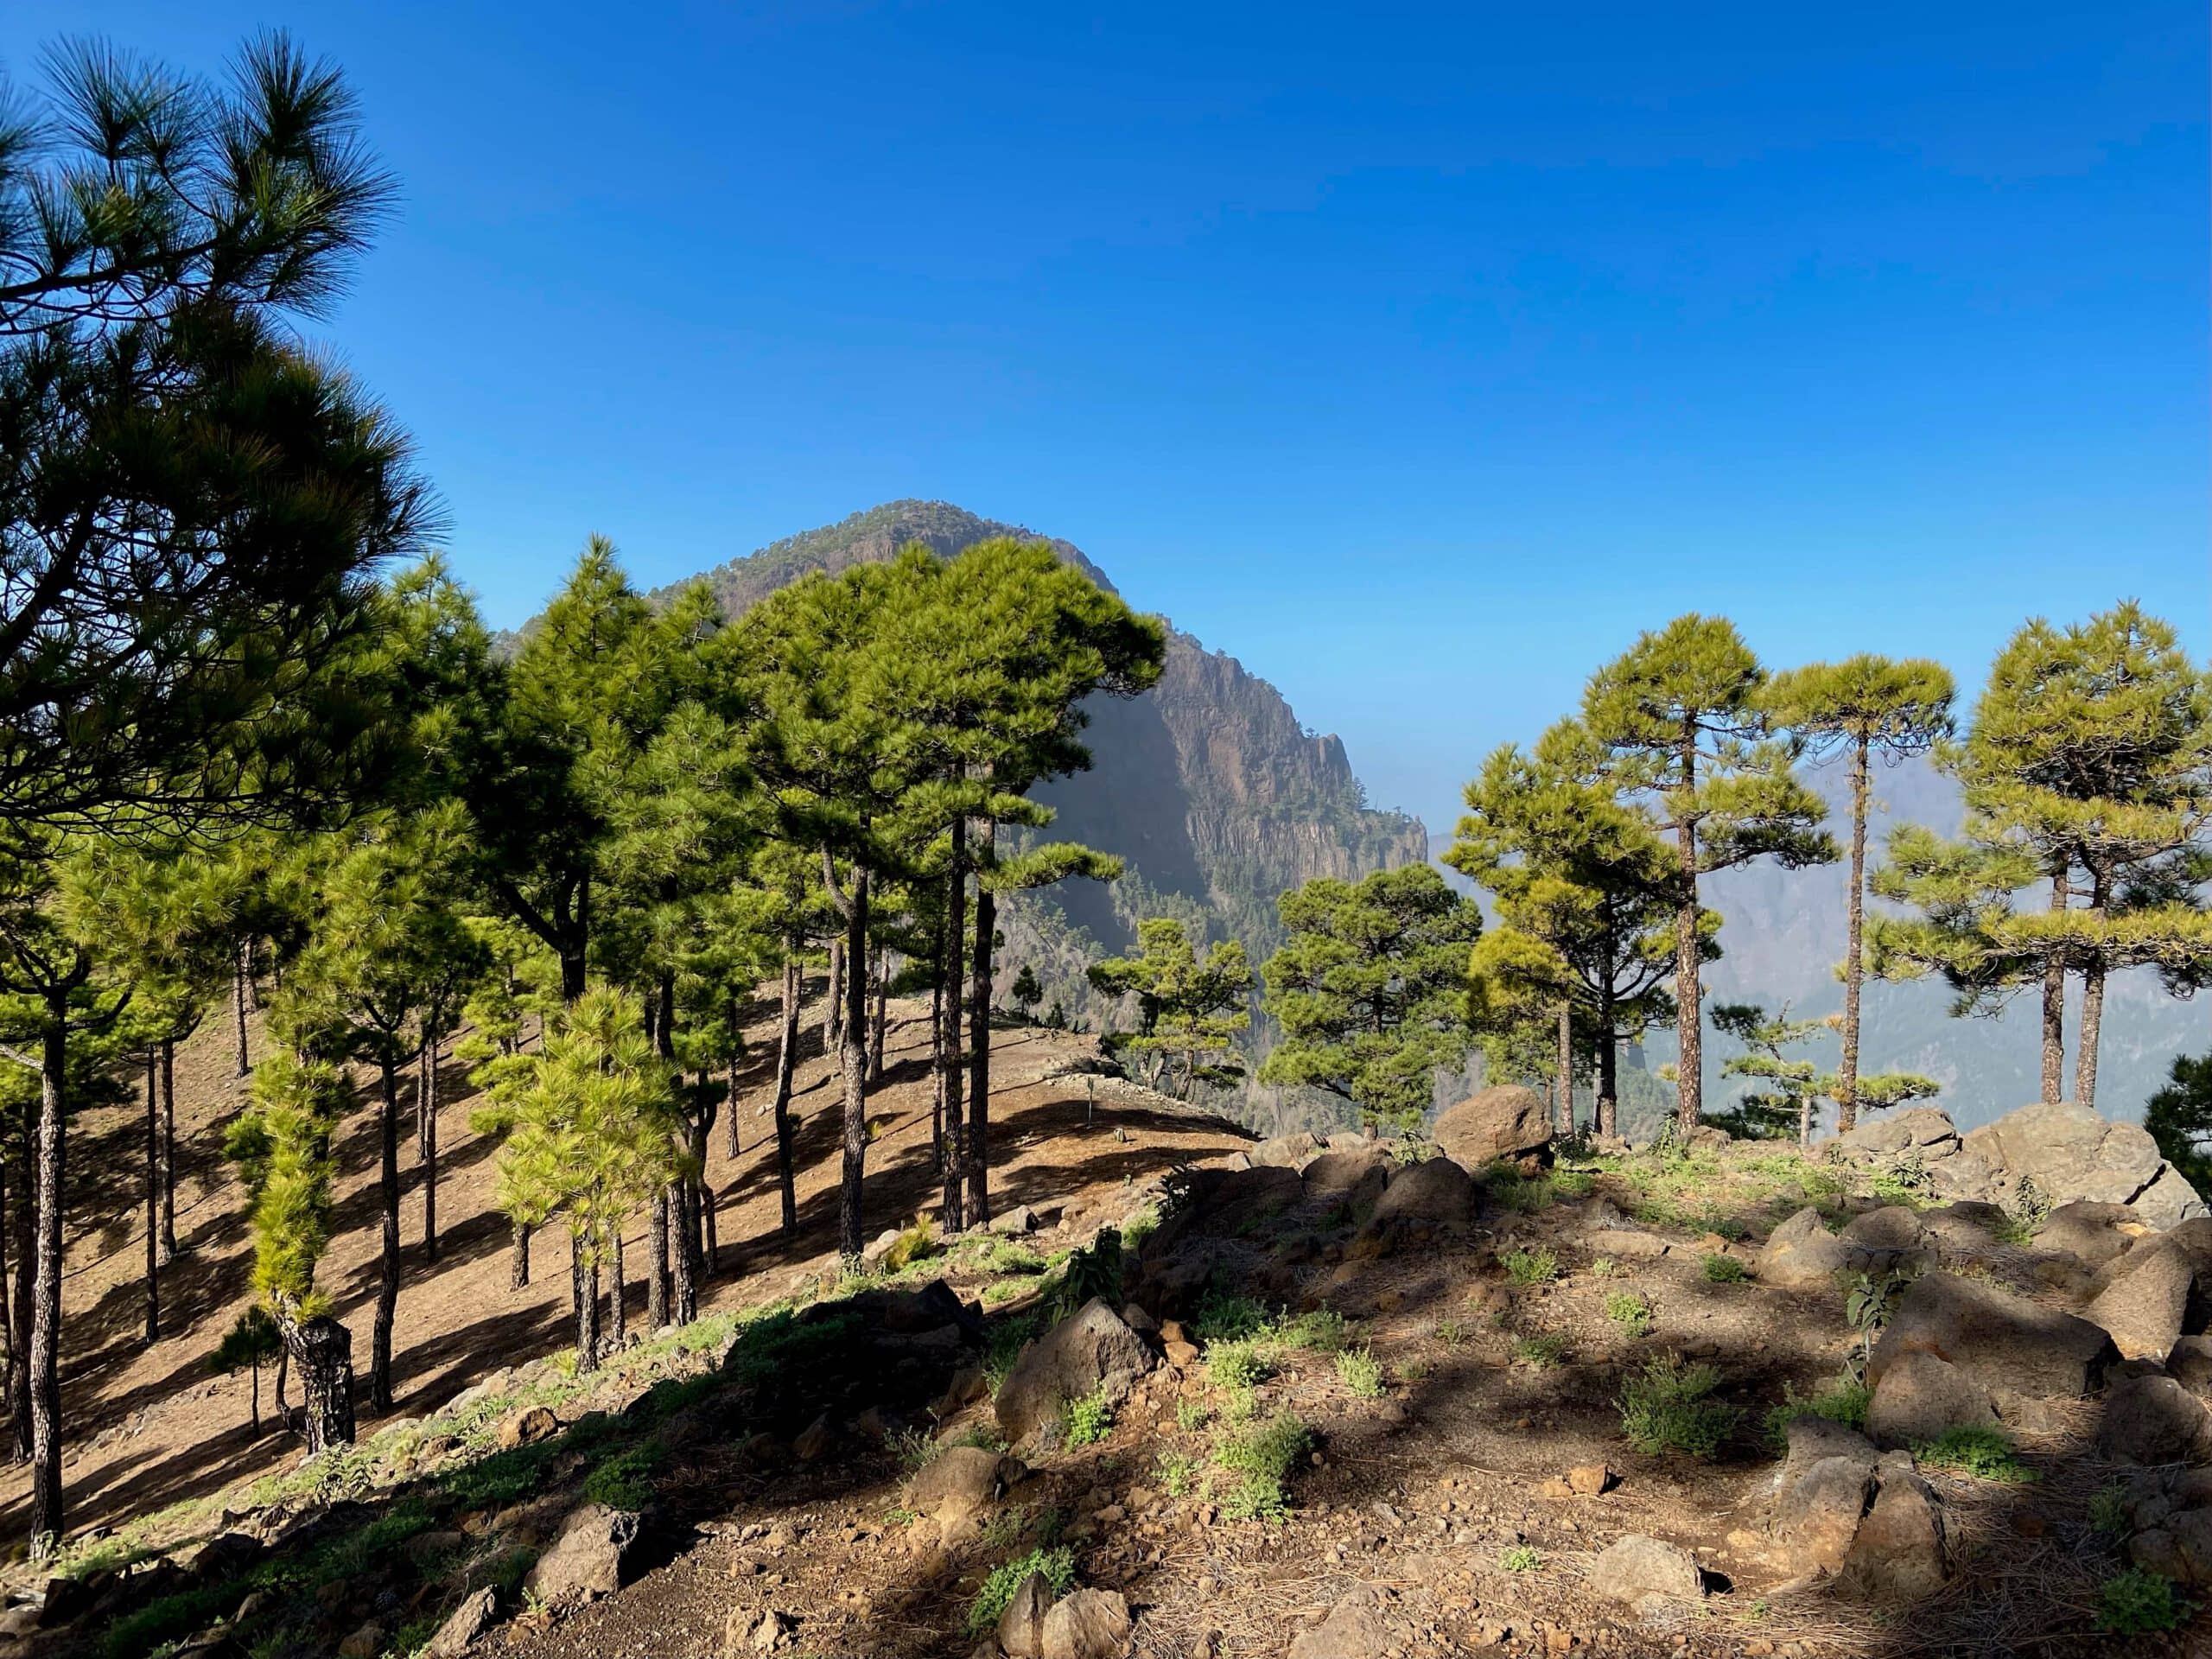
1086	1625
1901	1551
365	1643
586	1562
1505	1122
1647	1573
463	1625
1920	1395
2096	1233
967	1476
2154	1419
1590	1479
2145	1298
813	1440
528	1427
1354	1630
1021	1627
1803	1254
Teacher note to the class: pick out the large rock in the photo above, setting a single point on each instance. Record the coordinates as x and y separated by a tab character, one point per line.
1021	1627
1423	1203
1505	1123
1902	1551
1086	1625
1354	1630
2014	1347
1920	1395
1350	1181
2188	1362
1926	1130
1817	1513
2070	1152
2154	1419
967	1477
1803	1254
1642	1572
2168	1200
587	1560
2144	1304
463	1625
2096	1233
1284	1151
1090	1350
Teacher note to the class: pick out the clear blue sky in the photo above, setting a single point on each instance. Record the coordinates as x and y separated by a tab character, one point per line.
1418	356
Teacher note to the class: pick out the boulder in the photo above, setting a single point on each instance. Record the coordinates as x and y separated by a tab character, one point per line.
1965	1231
1086	1625
1093	1349
528	1427
1506	1122
1925	1130
2188	1362
1920	1397
1422	1204
1284	1151
1902	1551
904	1312
1646	1573
2070	1152
586	1562
1626	1243
1803	1254
2154	1419
1894	1227
1014	1222
1817	1515
2094	1232
2014	1347
2144	1305
1354	1630
1021	1627
463	1625
1350	1180
1809	1440
2170	1200
2179	1548
966	1475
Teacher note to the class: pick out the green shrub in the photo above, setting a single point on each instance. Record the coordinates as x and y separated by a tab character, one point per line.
1089	1419
1224	1317
1605	1267
2108	1510
1984	1454
1521	1557
1843	1401
2139	1603
1261	1457
168	1617
1527	1267
624	1481
1526	1196
1573	1183
1666	1407
1725	1270
1360	1371
1323	1331
1238	1365
1006	1257
1451	1332
1191	1415
1178	1473
1541	1352
1629	1311
1056	1567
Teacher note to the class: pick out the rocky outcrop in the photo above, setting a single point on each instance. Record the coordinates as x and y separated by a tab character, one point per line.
1092	1351
1803	1254
586	1560
1505	1123
2013	1348
1865	1519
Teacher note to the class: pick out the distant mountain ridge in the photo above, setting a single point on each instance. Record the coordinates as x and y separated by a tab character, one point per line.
1208	786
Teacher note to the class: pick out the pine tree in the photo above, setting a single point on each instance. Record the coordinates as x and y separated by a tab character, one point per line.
1191	1009
1681	715
1867	705
249	1344
1026	993
1586	894
520	987
2180	1118
2089	767
1793	1086
593	1137
1370	988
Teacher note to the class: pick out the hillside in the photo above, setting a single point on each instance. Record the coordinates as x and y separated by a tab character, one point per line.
1208	786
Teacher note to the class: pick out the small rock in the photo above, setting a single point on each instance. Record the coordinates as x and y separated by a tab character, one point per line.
586	1562
1086	1625
528	1427
1589	1479
1021	1627
463	1625
812	1440
1641	1572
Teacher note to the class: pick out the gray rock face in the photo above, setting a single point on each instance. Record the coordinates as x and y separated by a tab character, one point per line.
587	1560
1021	1627
1086	1625
1902	1551
1284	1151
2188	1362
1423	1203
2096	1233
1354	1630
1920	1395
463	1625
965	1475
2012	1347
1817	1513
1092	1348
2154	1419
1803	1254
1640	1571
1353	1180
2147	1300
2070	1152
1504	1123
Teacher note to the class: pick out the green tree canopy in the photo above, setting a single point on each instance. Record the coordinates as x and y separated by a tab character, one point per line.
1190	1008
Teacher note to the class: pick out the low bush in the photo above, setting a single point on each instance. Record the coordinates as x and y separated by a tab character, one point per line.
1089	1419
1666	1407
1843	1401
1261	1457
1521	1557
1530	1267
1055	1566
1984	1454
2139	1603
1629	1311
1725	1270
1360	1371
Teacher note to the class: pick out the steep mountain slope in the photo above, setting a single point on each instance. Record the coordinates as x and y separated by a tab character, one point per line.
1208	786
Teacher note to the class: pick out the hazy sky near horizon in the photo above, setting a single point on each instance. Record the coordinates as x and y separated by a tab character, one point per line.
1418	356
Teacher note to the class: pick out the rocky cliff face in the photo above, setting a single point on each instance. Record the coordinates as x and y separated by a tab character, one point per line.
1208	786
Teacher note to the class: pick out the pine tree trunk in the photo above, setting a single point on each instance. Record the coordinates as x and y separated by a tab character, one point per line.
169	1153
46	1513
619	1296
853	1062
709	1201
952	1078
429	1148
656	1261
256	1397
584	1290
238	1005
833	1003
682	1253
1566	1071
1690	1011
875	1027
388	1281
2093	1011
325	1350
284	1364
786	1058
518	1256
153	1198
978	1148
1606	1108
936	1071
2053	1005
1854	968
734	1131
24	1267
